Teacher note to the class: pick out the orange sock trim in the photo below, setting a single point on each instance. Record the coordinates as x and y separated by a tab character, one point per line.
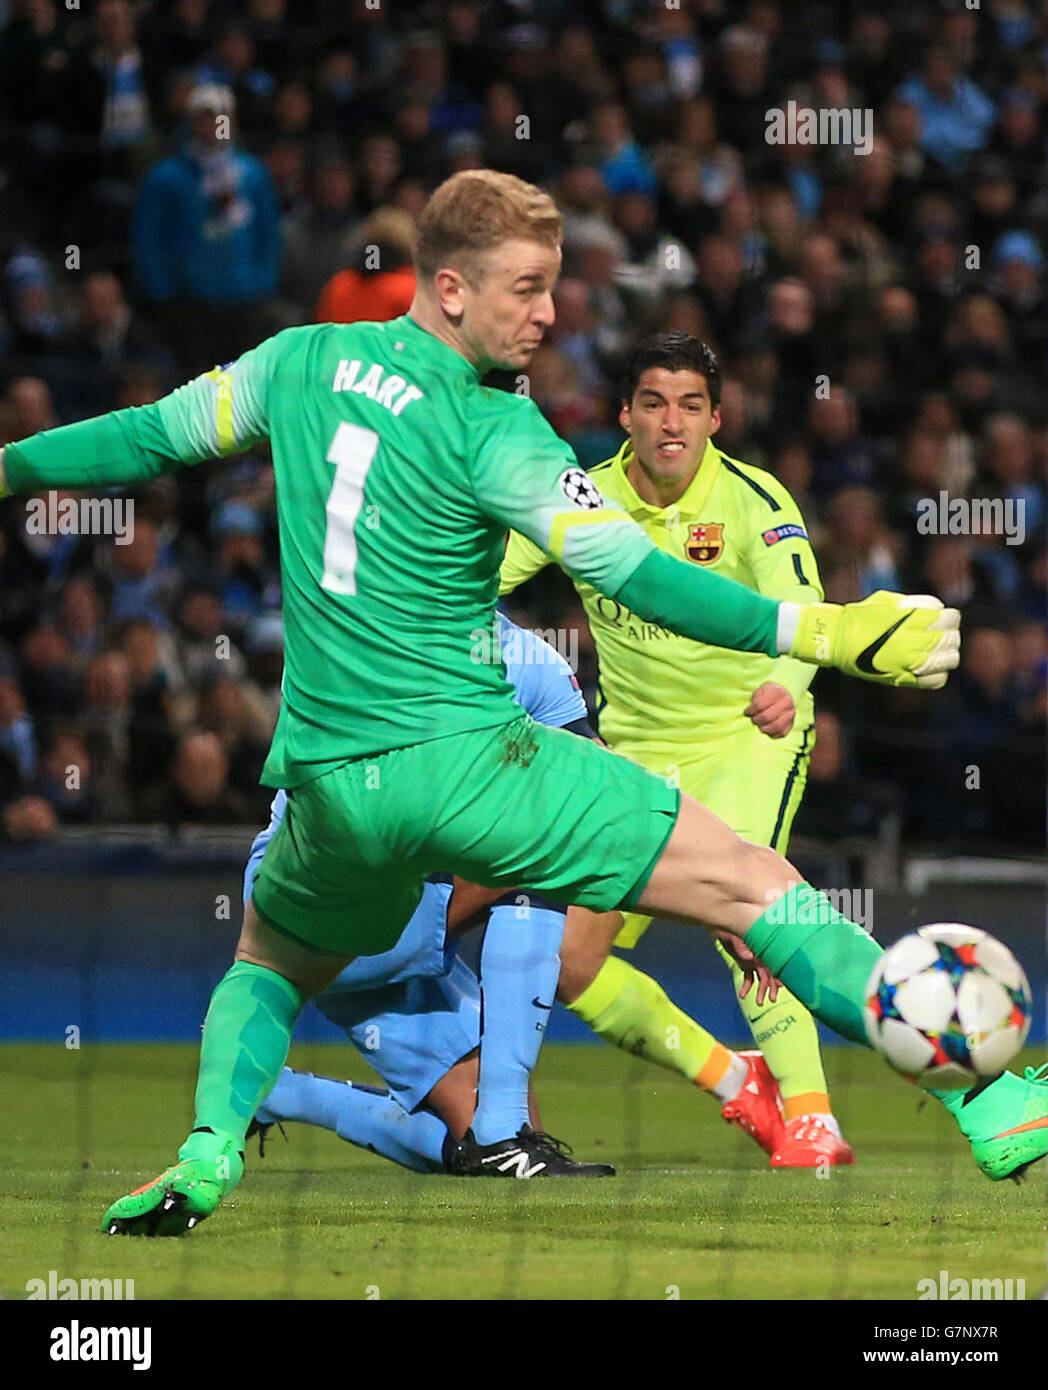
715	1067
807	1103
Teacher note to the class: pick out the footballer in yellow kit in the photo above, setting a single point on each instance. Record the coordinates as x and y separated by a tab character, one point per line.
732	729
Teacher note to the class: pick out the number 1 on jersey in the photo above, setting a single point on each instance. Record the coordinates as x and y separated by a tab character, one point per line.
352	452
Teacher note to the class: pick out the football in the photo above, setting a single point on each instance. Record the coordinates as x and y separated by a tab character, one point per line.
948	1005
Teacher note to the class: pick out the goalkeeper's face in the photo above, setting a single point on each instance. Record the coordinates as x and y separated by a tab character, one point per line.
507	304
669	420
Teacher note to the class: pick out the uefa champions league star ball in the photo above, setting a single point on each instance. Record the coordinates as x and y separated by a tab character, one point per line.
947	1006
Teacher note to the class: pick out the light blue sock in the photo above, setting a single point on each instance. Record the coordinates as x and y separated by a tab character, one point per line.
362	1115
519	968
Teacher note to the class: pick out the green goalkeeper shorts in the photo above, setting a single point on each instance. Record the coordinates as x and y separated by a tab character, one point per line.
518	805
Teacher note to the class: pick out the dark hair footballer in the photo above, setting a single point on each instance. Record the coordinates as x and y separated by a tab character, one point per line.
676	352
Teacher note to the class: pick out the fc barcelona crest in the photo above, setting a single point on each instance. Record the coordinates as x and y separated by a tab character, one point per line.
705	543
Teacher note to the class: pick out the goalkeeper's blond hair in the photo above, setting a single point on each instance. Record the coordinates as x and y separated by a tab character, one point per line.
476	210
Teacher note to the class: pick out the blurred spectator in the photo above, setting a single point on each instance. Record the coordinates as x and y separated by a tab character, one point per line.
29	301
623	165
654	263
787	321
264	648
1009	467
286	162
597	256
695	147
585	205
984	697
498	143
106	724
720	287
205	650
321	236
937	417
196	790
979	322
30	407
994	198
108	338
378	279
793	468
823	271
573	333
142	585
936	278
956	117
64	778
179	38
224	709
841	802
1016	137
29	818
425	70
232	64
898	327
741	86
949	570
18	750
418	141
81	619
240	563
151	726
1030	655
921	478
841	456
104	100
48	678
107	328
380	169
859	554
1018	287
207	238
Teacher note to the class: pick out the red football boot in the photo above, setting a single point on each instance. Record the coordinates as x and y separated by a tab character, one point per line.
808	1142
757	1108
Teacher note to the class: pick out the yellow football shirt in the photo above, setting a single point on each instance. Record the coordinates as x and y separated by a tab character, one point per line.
659	691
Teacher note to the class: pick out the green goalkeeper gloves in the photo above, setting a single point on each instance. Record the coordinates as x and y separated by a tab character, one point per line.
893	639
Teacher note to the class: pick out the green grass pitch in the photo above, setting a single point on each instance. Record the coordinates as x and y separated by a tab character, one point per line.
694	1213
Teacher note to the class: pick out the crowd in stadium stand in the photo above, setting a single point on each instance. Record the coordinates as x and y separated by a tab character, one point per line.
878	306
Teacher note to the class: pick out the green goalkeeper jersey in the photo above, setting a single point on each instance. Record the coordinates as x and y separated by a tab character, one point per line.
397	477
662	692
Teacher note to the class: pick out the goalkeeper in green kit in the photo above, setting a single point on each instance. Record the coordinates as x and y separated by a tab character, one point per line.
397	478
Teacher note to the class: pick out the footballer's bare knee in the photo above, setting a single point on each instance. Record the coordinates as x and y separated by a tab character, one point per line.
587	941
308	970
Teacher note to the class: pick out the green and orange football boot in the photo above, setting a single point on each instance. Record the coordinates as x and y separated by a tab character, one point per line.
1006	1122
183	1195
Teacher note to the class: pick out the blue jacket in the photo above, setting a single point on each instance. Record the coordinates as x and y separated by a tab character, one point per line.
213	236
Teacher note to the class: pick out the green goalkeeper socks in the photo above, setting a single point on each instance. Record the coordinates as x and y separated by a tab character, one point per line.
245	1044
820	955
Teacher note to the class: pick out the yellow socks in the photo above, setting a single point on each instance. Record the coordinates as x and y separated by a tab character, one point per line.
786	1033
630	1010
